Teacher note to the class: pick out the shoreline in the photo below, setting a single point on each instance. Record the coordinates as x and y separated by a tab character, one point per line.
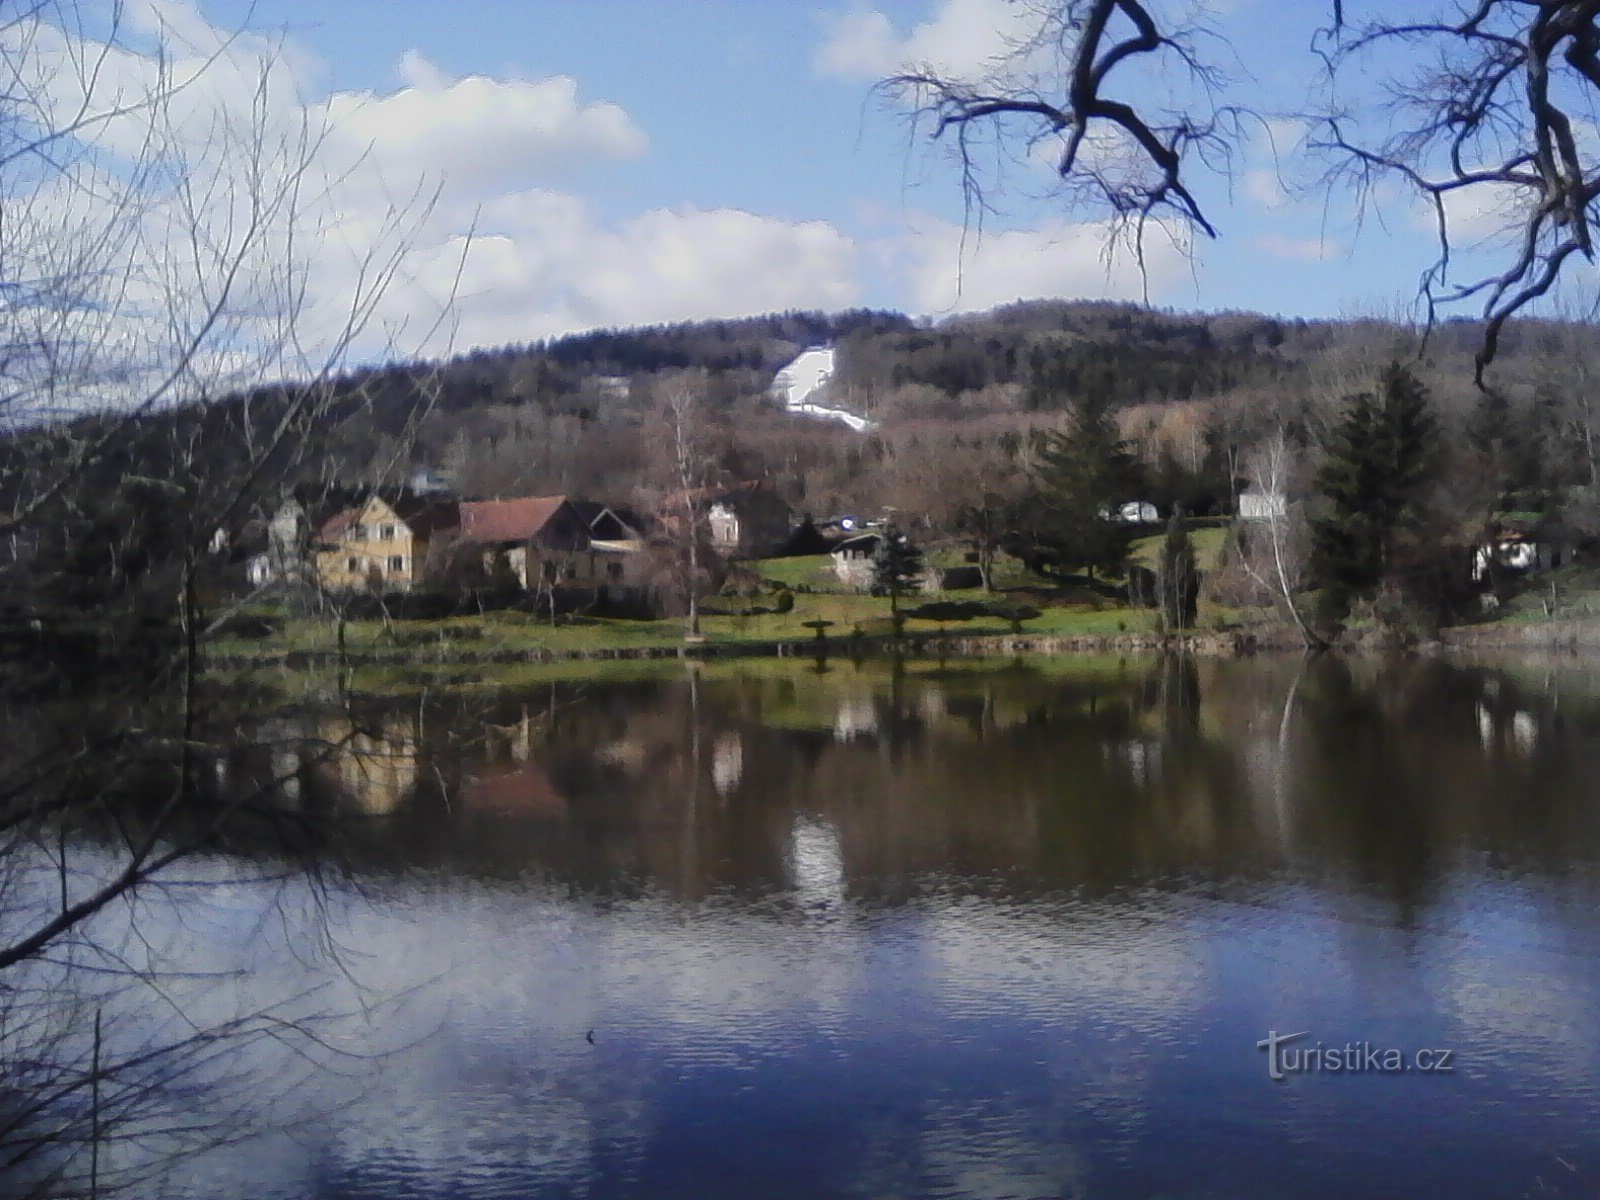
1231	644
1575	637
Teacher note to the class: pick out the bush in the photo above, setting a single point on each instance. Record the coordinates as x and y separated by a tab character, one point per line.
783	602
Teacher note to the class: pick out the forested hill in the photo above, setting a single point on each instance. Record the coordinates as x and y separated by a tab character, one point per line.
579	414
1043	354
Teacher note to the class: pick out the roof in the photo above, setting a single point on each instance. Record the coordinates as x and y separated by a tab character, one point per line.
519	520
859	542
592	510
423	515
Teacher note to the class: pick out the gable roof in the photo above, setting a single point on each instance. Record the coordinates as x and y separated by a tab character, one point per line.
594	512
423	515
519	520
861	542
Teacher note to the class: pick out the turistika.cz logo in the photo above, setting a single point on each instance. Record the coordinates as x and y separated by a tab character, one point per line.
1285	1059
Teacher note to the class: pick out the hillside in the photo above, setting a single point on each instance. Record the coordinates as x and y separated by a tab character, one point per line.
952	403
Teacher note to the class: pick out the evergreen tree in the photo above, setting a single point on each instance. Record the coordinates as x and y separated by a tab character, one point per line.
896	565
1179	577
1084	473
1379	464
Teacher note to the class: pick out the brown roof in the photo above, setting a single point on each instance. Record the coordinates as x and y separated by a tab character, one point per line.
519	520
336	526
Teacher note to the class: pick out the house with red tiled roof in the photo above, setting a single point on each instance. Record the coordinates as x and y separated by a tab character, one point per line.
542	541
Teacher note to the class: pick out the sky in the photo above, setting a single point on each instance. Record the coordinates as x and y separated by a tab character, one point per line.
619	162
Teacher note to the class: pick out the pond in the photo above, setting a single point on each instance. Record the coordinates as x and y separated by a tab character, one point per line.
993	930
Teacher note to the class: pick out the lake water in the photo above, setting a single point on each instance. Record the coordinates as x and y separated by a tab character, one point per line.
988	931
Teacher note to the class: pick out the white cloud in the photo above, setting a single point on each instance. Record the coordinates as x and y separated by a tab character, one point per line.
1284	246
1265	188
543	266
963	38
521	259
478	132
1476	213
1062	260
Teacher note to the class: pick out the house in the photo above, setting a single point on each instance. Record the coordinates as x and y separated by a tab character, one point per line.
542	541
280	555
743	520
748	520
610	526
385	544
1517	551
1257	505
1137	512
853	558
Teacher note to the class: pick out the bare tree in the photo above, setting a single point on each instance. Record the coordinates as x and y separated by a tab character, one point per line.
684	469
1482	102
1274	551
167	366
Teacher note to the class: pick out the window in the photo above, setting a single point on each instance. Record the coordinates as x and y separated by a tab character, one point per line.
550	570
386	533
614	572
397	562
352	565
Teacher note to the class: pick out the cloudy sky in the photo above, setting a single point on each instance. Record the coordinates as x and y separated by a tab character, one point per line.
615	162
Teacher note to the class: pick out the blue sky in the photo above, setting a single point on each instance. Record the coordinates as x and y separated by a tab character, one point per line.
630	161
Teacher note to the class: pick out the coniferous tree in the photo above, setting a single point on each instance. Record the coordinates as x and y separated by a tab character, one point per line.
1379	465
1084	473
896	565
1179	577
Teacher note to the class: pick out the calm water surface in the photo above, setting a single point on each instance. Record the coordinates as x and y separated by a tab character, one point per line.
999	931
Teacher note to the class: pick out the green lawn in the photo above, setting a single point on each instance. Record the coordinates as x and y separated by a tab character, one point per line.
850	614
818	596
1207	539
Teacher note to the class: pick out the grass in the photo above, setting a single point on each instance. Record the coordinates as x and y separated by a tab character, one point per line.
849	614
1208	541
818	596
1577	595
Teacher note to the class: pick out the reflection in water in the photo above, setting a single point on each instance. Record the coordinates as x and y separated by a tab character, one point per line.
986	931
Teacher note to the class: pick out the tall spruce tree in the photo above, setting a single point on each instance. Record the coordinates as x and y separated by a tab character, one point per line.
896	565
1379	465
1084	472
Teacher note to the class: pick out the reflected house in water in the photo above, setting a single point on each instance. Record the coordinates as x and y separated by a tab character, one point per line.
816	862
509	780
373	765
727	761
1516	730
857	717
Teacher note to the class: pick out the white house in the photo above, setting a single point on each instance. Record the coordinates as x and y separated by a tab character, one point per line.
1509	551
852	560
1138	512
1261	506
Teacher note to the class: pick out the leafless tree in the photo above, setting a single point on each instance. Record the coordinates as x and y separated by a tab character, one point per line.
1481	103
1273	550
684	470
162	376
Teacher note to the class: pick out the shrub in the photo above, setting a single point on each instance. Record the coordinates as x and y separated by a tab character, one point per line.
783	602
